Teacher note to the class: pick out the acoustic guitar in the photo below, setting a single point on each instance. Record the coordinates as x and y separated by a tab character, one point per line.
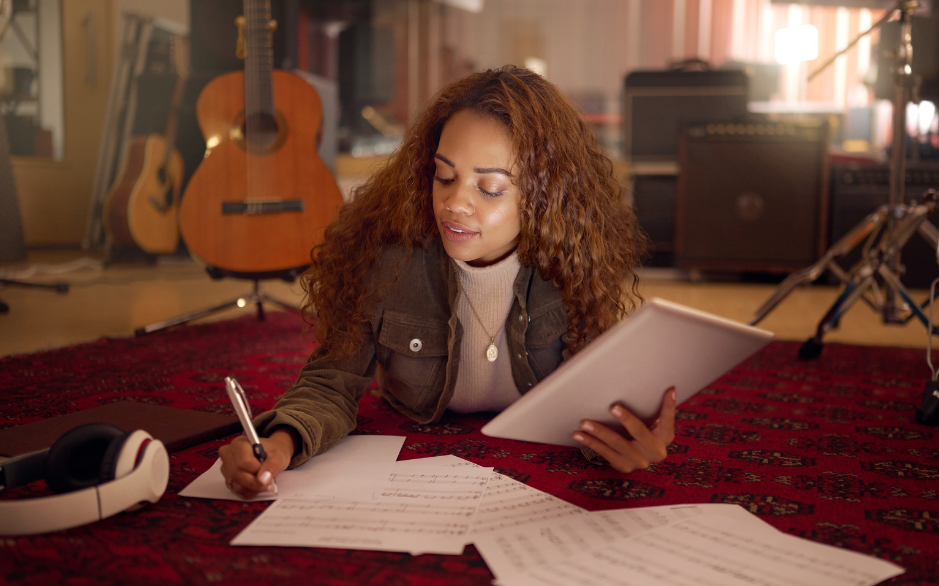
142	206
262	197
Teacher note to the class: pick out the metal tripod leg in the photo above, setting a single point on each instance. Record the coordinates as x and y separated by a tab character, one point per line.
852	292
868	226
908	220
255	297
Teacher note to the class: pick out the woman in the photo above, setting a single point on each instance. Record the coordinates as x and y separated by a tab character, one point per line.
494	244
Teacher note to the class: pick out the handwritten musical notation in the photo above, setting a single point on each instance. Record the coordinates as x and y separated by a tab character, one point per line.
713	549
435	487
512	504
513	551
429	511
531	538
506	503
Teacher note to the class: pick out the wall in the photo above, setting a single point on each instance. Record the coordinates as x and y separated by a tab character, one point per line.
55	196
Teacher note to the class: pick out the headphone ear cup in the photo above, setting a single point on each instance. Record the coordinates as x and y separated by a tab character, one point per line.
75	461
120	459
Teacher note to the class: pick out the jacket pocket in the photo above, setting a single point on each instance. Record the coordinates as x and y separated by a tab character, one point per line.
413	354
544	339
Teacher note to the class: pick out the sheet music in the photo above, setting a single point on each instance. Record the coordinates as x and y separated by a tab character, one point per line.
426	510
515	550
507	502
711	550
356	468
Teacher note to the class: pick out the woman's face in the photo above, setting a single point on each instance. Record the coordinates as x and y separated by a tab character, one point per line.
476	201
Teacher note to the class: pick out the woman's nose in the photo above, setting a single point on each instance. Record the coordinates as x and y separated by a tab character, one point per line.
460	200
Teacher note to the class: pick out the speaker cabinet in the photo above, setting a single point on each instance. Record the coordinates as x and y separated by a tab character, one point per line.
654	202
366	64
657	104
856	191
751	197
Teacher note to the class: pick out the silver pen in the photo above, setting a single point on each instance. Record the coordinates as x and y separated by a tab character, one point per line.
240	402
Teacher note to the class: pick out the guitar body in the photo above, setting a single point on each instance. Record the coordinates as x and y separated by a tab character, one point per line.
142	206
252	207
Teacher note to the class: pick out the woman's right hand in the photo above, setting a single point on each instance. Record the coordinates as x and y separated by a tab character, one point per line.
244	474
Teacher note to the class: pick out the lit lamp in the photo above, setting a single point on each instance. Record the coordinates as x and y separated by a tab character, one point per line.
796	44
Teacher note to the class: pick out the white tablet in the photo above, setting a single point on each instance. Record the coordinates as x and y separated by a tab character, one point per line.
660	345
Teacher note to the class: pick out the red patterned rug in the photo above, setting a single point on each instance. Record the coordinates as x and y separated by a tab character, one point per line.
828	450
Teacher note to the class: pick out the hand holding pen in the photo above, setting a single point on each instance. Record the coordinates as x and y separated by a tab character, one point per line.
250	463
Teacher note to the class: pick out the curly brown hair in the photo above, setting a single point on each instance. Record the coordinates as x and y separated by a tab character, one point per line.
577	230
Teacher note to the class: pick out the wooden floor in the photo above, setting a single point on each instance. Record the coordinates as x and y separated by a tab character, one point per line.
117	299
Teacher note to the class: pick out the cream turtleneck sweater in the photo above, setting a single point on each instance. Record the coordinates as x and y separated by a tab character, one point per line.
482	385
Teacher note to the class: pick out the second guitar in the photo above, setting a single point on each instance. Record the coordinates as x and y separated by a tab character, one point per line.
262	197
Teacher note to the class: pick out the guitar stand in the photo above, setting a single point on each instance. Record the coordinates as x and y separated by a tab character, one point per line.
256	297
60	287
875	269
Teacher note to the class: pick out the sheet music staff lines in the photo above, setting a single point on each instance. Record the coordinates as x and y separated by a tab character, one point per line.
429	512
509	503
530	538
710	550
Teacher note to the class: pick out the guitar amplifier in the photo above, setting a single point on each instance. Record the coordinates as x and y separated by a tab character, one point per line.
657	104
752	197
653	198
856	191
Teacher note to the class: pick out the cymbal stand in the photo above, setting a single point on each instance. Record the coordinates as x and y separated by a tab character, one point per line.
884	233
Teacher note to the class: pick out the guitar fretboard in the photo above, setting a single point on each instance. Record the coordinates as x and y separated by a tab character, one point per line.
259	60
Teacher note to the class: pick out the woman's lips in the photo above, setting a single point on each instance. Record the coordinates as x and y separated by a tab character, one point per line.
457	232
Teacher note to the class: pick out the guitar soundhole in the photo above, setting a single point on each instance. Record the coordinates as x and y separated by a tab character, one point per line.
261	130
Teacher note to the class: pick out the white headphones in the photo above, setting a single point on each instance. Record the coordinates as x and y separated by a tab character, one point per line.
99	469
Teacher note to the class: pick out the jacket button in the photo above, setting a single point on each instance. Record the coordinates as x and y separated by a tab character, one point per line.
521	317
416	345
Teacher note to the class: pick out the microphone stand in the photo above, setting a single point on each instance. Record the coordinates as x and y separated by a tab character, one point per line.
875	279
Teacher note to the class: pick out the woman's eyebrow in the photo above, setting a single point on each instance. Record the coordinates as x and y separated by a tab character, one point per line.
481	170
498	170
445	160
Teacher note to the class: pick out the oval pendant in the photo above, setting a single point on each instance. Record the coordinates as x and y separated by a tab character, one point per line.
492	353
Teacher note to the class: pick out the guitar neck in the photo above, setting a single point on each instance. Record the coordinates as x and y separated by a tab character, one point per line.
172	121
259	60
180	57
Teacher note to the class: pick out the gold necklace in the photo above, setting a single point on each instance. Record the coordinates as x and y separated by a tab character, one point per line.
491	352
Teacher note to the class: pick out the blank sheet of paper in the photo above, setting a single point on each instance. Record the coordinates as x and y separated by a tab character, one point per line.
356	468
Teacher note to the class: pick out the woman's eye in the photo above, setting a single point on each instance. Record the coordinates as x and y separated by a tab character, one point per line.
491	193
443	180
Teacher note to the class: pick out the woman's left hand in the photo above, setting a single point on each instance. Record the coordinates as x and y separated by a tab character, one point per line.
641	447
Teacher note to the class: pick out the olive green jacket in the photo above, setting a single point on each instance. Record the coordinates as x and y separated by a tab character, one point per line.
412	347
